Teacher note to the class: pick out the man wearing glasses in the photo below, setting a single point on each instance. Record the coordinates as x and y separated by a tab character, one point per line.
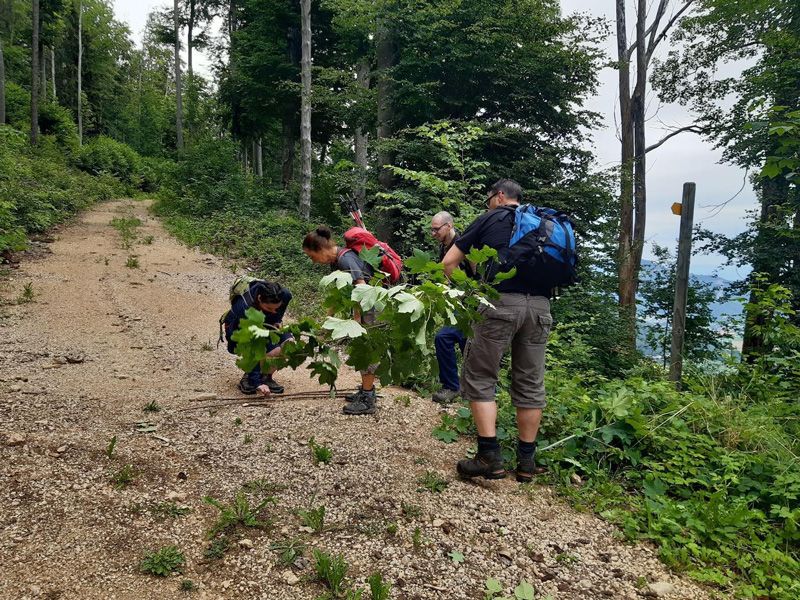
520	320
447	338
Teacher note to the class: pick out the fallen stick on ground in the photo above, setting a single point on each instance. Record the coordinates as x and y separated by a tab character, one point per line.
312	394
267	400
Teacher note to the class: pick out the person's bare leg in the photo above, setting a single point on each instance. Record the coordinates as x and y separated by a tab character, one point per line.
485	415
528	420
368	381
272	354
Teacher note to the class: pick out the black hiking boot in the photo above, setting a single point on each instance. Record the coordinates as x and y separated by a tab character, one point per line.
274	386
353	395
526	468
246	387
488	465
363	403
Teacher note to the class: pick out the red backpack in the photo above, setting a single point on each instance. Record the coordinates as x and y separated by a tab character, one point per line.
358	238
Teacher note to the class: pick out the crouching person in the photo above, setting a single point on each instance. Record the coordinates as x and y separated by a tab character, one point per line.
271	299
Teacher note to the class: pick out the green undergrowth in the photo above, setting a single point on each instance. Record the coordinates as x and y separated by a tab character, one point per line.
709	474
44	185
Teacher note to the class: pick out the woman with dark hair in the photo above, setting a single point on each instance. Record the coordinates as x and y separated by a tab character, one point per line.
321	248
271	299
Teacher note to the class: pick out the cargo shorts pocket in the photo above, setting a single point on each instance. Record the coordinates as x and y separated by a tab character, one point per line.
497	326
541	328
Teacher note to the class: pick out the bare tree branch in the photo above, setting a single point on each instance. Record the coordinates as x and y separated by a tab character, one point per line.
662	8
672	134
654	43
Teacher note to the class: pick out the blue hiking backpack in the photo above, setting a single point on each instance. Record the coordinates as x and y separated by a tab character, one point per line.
543	239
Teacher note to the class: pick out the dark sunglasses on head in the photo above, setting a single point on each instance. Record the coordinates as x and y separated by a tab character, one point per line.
489	199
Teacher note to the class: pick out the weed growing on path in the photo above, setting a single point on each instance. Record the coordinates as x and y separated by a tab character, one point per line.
27	295
163	562
112	443
217	548
207	347
410	511
433	482
124	477
319	452
151	407
379	588
126	226
165	510
331	571
239	513
289	550
187	585
313	518
132	262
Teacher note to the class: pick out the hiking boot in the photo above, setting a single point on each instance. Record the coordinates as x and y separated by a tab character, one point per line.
363	403
488	465
445	396
526	469
352	396
274	386
246	387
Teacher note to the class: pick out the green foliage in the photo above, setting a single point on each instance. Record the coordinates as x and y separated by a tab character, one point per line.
126	226
169	509
38	188
217	547
433	482
289	550
112	444
163	562
124	477
379	589
493	590
105	155
240	513
27	295
152	407
331	571
132	262
187	585
319	452
313	518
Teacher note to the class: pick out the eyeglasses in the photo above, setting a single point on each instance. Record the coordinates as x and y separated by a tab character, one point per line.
436	229
489	199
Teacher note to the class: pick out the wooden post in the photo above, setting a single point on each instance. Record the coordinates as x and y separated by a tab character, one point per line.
682	283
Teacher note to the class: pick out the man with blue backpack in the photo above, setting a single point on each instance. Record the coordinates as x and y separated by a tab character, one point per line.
540	244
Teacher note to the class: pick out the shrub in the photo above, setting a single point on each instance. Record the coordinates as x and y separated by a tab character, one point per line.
105	155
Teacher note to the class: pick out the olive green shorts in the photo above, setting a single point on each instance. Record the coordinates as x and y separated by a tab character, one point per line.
519	322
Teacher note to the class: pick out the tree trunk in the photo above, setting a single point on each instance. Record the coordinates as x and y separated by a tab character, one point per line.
361	140
624	253
43	79
80	72
35	73
190	95
288	151
305	109
259	158
53	71
638	109
2	86
178	96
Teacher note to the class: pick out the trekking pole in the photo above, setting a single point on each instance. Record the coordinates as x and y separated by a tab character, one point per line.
351	206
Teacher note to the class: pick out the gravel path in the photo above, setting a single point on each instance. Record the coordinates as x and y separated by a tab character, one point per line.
100	341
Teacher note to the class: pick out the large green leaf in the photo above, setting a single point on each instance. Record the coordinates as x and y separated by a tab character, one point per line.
343	328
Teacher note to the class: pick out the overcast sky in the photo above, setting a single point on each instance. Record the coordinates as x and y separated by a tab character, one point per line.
685	157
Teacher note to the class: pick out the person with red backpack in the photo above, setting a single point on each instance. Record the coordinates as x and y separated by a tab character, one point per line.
322	249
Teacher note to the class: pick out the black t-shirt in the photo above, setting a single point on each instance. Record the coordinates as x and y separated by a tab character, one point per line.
494	228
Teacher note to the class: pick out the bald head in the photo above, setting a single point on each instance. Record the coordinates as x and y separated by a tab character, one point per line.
442	226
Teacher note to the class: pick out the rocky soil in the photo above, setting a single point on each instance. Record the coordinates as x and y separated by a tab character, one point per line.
101	340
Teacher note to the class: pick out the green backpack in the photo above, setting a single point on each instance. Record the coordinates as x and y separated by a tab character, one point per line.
239	287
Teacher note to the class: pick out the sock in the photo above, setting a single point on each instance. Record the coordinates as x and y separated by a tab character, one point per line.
487	444
526	449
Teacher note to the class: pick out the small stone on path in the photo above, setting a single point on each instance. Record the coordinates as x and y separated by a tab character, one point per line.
660	589
15	439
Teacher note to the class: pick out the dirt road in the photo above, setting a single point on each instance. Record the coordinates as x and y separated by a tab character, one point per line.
100	340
